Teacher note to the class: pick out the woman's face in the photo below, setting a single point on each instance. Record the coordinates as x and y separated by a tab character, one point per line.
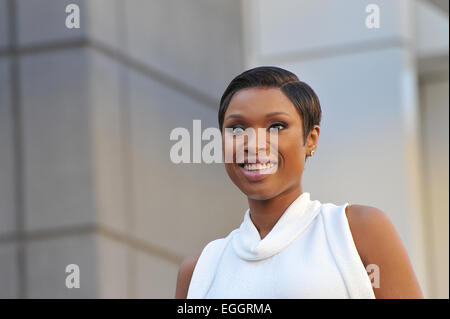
252	108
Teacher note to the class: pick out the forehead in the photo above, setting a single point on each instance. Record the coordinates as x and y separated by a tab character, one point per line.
255	102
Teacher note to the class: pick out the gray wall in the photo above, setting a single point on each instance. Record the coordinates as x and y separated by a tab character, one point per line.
85	118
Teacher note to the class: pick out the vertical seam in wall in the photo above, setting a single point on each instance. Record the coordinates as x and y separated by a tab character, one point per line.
246	29
18	149
125	125
430	254
256	26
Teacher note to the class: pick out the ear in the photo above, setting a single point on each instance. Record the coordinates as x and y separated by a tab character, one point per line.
313	139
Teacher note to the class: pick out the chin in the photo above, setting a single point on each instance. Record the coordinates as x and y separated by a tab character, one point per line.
260	196
261	192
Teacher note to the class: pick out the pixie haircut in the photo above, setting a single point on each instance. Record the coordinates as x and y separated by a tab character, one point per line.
299	93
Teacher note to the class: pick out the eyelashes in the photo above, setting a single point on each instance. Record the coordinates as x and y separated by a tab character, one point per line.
278	125
239	129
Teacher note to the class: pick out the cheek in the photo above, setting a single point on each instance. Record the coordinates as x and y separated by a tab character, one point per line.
228	153
292	151
233	174
229	169
233	149
227	149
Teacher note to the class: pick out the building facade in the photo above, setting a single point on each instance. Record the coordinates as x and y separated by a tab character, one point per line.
86	114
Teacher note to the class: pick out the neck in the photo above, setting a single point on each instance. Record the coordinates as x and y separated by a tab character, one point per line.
266	213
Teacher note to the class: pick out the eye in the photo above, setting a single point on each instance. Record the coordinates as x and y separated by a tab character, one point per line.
278	126
237	130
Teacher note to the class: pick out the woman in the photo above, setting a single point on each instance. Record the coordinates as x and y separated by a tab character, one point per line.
290	246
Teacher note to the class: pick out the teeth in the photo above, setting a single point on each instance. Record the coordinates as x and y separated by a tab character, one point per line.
257	166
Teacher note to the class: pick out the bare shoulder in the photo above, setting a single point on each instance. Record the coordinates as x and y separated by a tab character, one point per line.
370	227
185	274
365	215
378	243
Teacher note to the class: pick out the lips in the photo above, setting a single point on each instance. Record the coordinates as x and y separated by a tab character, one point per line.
258	171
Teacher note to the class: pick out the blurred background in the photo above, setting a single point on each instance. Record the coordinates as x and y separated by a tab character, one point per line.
86	113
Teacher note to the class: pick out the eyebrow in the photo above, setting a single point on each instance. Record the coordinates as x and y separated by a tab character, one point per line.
267	115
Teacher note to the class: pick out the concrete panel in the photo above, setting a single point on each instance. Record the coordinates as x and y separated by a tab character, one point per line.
102	263
113	272
196	42
155	277
57	141
98	21
47	260
105	21
45	21
7	182
435	101
8	271
4	27
432	30
295	26
107	141
178	207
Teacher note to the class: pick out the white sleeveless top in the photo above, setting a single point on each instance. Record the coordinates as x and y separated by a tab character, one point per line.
309	253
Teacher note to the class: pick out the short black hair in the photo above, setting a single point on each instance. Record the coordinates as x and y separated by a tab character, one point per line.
299	93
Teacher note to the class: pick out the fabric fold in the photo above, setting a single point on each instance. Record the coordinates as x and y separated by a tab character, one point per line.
311	243
248	244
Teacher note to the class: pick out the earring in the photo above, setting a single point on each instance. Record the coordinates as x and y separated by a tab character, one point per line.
312	152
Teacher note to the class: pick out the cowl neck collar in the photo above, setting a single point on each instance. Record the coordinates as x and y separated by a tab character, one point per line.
248	244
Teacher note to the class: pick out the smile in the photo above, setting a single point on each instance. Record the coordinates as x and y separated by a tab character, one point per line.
258	171
257	166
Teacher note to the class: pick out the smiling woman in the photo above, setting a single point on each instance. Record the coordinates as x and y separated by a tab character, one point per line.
288	245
